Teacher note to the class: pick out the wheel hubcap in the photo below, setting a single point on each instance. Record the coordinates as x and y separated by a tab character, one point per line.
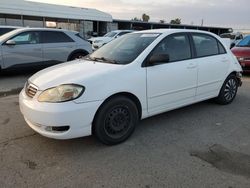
230	90
117	122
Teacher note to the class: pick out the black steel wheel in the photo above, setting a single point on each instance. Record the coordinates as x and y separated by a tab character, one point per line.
229	90
115	120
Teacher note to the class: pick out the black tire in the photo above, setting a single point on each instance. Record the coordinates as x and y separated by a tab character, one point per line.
116	120
228	91
77	55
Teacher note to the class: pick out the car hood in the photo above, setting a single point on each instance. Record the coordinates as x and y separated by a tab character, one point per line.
241	51
76	72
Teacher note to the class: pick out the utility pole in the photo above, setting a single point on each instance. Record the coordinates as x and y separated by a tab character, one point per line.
202	21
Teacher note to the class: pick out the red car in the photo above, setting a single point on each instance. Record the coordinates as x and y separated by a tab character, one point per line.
242	52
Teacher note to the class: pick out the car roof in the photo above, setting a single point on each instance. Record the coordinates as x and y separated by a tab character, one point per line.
19	30
8	26
42	29
118	31
171	31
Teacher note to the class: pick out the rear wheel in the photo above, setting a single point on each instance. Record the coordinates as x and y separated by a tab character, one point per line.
228	91
77	55
116	120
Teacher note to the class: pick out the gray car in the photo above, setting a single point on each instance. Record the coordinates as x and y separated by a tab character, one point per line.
43	47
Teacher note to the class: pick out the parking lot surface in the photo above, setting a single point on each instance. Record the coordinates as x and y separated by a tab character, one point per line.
202	145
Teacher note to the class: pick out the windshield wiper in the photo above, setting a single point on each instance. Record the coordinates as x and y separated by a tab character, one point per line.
103	59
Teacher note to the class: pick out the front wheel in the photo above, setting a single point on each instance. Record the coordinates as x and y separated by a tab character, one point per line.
228	91
116	120
78	55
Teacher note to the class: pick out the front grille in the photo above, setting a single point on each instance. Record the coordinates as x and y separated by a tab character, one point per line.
30	90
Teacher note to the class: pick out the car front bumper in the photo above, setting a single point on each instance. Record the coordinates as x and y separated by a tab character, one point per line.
41	117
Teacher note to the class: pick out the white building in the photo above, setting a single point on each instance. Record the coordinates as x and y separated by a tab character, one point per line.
34	14
86	21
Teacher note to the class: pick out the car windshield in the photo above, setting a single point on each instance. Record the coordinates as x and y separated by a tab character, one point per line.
125	49
5	30
244	42
110	34
9	34
228	35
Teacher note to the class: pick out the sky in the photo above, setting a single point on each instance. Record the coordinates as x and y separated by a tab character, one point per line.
226	13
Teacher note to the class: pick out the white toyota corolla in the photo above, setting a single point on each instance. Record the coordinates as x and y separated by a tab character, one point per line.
134	77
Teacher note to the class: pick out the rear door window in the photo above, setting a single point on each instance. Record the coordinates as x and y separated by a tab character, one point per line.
205	45
55	37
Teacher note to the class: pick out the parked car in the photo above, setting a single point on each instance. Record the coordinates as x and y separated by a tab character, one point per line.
6	29
242	52
136	76
40	46
234	38
98	42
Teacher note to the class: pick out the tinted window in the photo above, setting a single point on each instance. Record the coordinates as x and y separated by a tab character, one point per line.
55	37
176	46
5	30
205	45
31	37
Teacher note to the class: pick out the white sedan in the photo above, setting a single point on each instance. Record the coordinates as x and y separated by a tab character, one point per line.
134	77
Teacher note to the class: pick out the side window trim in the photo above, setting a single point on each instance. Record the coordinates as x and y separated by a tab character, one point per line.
144	63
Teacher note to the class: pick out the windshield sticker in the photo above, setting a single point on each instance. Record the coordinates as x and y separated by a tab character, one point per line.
150	35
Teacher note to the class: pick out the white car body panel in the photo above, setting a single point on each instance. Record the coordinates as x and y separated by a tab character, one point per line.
163	93
158	88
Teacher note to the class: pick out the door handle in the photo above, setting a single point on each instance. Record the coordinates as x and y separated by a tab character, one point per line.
37	49
224	60
191	66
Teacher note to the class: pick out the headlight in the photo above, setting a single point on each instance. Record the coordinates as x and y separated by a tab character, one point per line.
61	93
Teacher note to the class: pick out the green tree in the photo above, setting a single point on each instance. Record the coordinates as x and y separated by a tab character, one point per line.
145	17
176	21
136	19
162	21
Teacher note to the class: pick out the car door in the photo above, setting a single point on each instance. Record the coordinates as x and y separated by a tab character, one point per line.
213	64
23	49
173	83
57	46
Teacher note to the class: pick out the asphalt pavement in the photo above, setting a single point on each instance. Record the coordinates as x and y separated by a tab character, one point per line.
202	145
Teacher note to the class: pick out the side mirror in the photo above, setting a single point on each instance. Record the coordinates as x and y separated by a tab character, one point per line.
10	42
158	59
